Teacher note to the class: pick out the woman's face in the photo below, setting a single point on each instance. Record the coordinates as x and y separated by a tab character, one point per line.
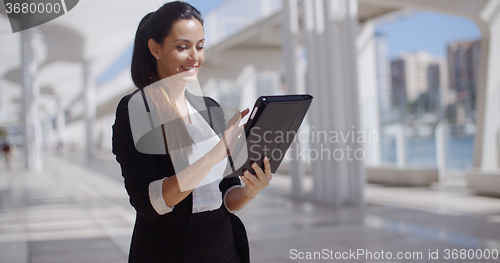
182	50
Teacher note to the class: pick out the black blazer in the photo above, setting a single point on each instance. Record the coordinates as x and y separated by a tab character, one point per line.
163	238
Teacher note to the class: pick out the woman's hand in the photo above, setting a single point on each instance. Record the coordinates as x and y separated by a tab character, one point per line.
230	137
255	183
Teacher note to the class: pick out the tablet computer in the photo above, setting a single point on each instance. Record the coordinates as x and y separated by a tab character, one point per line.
270	129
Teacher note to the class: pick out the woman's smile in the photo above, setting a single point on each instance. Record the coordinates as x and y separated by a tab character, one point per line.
191	68
181	51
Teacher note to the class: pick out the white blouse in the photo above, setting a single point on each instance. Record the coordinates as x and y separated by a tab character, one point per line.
207	195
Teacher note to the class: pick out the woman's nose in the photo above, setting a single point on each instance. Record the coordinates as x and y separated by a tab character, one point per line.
194	54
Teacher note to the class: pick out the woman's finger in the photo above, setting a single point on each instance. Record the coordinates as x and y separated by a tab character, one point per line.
255	181
248	182
258	171
238	117
267	169
260	175
245	112
234	120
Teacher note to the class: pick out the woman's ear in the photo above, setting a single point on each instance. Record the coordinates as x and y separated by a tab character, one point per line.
154	47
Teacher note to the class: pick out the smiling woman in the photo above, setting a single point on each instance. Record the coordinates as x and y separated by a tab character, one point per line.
181	215
160	48
182	50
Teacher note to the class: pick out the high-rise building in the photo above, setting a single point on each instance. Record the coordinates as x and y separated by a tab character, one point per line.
437	84
416	74
463	63
398	81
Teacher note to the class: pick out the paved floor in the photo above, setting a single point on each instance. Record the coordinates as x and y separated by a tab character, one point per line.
76	211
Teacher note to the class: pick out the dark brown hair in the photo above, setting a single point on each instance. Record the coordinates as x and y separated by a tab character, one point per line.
156	25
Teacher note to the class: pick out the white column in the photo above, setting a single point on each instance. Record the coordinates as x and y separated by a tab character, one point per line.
401	146
89	108
333	87
61	125
265	7
498	145
31	91
248	87
488	90
213	24
440	137
316	115
47	130
341	29
368	96
291	57
330	38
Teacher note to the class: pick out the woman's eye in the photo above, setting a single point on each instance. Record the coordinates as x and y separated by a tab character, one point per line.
182	48
201	47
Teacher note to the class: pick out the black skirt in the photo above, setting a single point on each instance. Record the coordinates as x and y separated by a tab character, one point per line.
211	238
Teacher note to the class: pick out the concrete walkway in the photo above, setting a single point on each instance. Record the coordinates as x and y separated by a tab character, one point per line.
76	211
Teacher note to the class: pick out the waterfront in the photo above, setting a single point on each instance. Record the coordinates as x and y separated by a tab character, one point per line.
421	151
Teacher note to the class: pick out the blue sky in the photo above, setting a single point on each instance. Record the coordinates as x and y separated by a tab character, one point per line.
426	31
204	6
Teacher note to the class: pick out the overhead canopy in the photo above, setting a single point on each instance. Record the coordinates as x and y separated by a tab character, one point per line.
94	31
102	32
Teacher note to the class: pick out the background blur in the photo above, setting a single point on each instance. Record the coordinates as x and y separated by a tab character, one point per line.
400	149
